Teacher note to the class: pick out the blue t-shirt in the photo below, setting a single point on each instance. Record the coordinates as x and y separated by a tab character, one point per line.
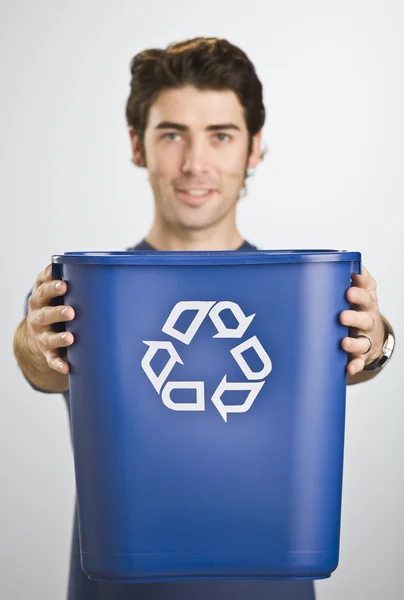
81	588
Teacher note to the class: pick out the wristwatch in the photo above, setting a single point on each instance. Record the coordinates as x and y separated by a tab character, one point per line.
387	350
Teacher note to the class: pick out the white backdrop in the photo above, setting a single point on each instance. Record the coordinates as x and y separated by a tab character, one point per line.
333	88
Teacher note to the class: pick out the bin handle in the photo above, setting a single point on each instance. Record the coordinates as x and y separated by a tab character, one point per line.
57	273
356	267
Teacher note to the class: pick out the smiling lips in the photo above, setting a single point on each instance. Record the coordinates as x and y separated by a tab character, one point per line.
195	196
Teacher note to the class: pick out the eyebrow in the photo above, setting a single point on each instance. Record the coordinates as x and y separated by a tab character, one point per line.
180	127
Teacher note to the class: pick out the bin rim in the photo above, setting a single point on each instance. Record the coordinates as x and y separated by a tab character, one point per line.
205	257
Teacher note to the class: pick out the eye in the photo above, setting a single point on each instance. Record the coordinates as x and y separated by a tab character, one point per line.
170	133
226	136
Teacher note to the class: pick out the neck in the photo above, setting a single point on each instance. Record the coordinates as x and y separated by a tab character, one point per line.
220	237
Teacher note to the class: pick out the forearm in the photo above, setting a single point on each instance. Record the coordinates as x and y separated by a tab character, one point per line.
34	365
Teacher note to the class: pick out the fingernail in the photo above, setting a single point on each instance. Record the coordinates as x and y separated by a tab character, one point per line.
64	311
58	286
60	366
63	336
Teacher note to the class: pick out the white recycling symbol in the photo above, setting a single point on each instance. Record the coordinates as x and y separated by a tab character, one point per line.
212	309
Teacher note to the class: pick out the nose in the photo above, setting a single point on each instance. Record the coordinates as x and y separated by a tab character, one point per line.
195	158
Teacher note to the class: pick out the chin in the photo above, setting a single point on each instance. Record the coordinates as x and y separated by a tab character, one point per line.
195	226
194	222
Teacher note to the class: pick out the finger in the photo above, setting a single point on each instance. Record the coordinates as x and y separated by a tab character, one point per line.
361	320
355	365
360	297
56	363
42	295
365	280
57	340
48	315
43	276
355	345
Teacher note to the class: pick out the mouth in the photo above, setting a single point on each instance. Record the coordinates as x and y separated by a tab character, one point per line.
196	196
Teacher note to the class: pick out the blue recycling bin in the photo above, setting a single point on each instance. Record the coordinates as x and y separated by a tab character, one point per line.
207	394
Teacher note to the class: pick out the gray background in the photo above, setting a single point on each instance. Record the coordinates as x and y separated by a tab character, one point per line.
333	84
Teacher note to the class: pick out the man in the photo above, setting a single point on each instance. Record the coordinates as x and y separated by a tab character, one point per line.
195	118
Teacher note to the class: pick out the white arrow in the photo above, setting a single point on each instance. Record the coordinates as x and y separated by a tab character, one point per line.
225	409
202	308
158	381
199	386
223	331
237	353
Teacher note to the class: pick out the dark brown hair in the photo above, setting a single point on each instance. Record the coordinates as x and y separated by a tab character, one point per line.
207	64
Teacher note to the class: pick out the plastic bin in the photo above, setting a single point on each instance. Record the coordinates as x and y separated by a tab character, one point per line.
207	395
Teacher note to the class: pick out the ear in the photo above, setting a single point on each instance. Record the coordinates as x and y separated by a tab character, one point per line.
137	149
255	154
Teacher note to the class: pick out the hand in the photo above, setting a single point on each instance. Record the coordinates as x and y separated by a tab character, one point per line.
41	316
364	320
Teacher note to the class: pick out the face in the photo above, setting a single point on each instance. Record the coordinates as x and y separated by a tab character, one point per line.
195	147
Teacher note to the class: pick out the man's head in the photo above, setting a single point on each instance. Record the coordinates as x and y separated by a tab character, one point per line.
195	115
